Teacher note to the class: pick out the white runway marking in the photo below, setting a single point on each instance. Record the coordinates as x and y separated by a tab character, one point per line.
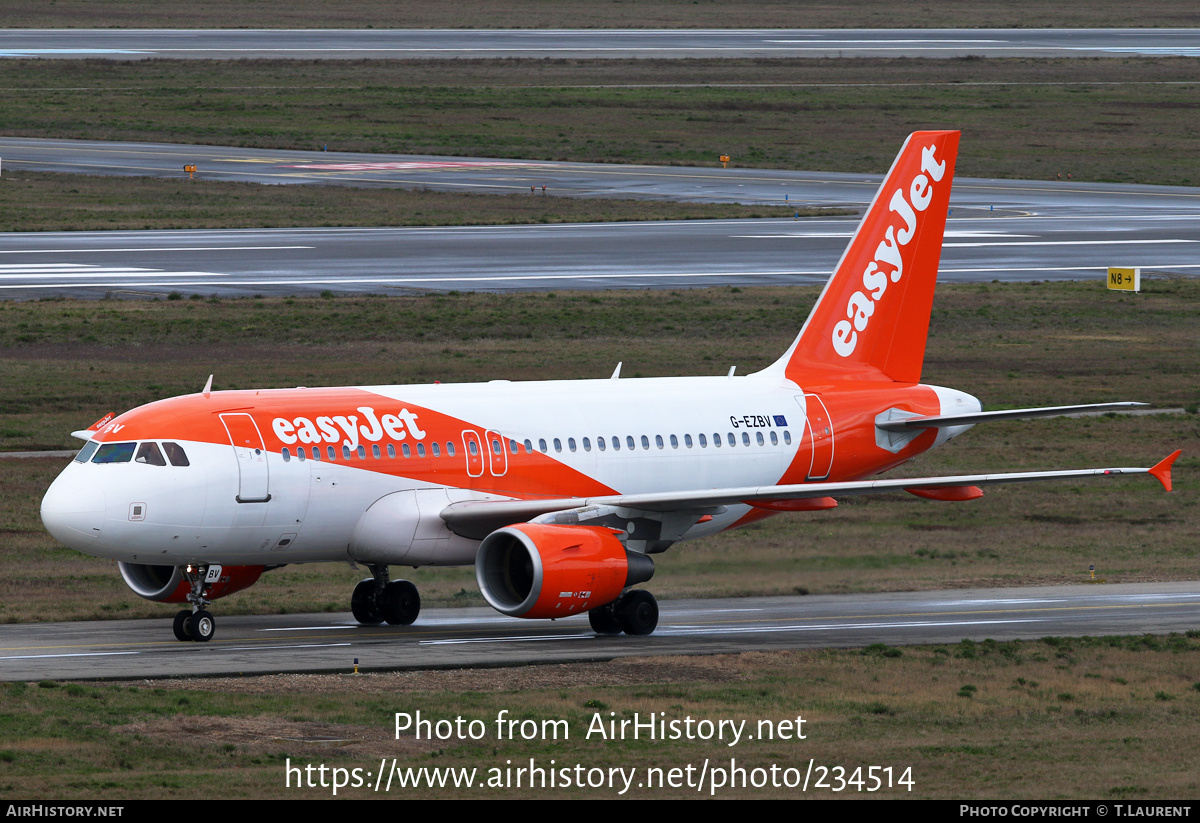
707	629
1066	243
66	270
102	250
72	654
290	646
459	641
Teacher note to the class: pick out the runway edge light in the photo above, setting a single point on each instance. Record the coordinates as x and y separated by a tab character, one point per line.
1124	279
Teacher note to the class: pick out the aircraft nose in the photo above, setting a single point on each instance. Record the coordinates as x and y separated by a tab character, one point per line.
73	510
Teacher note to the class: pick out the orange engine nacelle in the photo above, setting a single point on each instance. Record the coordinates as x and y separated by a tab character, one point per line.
168	584
535	570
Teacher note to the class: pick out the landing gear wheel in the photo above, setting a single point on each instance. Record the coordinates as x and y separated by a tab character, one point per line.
364	603
604	620
203	626
637	612
183	625
399	603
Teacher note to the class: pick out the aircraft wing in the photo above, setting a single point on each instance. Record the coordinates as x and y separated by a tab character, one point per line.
478	518
970	419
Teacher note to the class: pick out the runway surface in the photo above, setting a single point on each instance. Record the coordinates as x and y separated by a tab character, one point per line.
458	638
357	44
979	248
998	229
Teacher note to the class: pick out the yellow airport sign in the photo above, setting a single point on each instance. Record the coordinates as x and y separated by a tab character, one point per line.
1125	279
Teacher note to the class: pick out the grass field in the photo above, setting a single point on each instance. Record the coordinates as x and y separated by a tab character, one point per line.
63	364
1109	718
1124	119
38	201
592	14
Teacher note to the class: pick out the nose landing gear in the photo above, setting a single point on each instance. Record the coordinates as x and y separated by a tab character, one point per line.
198	624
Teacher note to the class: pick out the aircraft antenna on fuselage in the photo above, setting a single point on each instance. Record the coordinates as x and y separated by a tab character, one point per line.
207	390
872	318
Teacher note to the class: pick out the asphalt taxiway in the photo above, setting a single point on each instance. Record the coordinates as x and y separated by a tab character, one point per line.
474	637
357	44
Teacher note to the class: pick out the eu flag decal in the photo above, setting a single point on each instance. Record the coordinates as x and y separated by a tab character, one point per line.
780	420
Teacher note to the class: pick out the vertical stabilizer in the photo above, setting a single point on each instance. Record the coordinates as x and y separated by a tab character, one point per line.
873	316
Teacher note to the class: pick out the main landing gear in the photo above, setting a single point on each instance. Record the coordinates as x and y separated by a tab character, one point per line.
635	612
198	624
376	600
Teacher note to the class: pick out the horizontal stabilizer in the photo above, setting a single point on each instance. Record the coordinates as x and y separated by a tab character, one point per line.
971	418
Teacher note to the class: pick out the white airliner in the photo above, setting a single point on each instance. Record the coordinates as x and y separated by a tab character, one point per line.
558	492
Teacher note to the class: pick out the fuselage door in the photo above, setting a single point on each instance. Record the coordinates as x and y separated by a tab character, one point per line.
473	452
497	455
247	442
820	432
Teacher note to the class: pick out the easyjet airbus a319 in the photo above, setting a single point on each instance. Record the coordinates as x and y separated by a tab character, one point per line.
559	492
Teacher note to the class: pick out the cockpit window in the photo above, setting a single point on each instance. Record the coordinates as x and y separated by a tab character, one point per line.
148	453
176	454
85	454
114	453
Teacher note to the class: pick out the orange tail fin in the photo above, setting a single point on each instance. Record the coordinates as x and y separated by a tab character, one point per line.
873	316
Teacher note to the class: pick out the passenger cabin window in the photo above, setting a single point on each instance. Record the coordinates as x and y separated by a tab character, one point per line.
601	444
557	445
114	453
675	442
571	443
542	445
85	454
437	450
587	444
645	442
375	451
449	448
787	437
287	454
703	442
392	451
332	454
420	450
407	452
616	441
